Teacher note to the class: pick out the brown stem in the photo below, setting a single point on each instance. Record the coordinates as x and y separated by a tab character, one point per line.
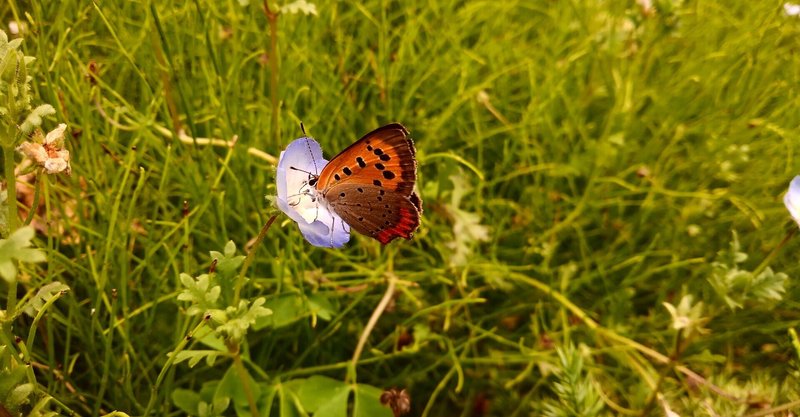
387	296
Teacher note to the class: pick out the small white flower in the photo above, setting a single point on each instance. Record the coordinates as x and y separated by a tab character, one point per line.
48	152
791	9
15	28
687	316
646	6
792	199
300	6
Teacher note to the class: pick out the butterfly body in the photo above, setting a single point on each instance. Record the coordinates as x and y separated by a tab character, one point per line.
370	184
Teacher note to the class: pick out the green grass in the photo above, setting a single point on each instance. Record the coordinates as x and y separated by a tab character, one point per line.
609	154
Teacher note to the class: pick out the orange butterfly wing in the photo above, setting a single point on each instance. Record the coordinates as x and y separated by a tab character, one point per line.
370	184
383	158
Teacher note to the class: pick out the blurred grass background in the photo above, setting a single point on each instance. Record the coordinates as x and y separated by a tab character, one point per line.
603	149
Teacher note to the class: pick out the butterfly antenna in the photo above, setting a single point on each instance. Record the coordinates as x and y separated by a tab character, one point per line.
302	170
303	129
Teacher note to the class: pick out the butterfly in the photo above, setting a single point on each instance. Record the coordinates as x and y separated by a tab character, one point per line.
369	187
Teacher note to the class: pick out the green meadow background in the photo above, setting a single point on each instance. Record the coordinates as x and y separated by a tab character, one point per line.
603	230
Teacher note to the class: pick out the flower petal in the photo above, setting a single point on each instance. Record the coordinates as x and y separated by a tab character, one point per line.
55	135
341	233
33	151
55	165
319	225
302	154
792	199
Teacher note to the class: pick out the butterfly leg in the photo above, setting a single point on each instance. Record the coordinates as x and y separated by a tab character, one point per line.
333	227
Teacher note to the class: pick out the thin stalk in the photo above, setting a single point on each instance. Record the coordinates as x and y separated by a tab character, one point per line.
11	304
272	20
611	335
11	204
387	296
37	187
651	401
763	265
244	377
251	255
172	356
11	187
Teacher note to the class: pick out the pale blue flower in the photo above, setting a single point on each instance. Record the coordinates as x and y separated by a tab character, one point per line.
792	199
300	163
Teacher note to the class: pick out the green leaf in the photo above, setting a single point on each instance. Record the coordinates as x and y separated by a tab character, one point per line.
16	248
228	263
53	289
230	249
7	270
738	287
268	393
769	286
211	340
9	379
15	43
324	396
467	227
186	400
230	386
19	395
321	306
286	309
8	67
289	405
233	323
200	293
195	356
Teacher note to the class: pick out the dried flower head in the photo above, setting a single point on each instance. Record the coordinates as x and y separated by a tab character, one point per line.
48	151
398	400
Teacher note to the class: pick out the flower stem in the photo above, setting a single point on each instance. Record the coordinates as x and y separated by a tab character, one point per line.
251	255
37	186
651	401
244	377
387	296
11	218
172	356
11	187
763	265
